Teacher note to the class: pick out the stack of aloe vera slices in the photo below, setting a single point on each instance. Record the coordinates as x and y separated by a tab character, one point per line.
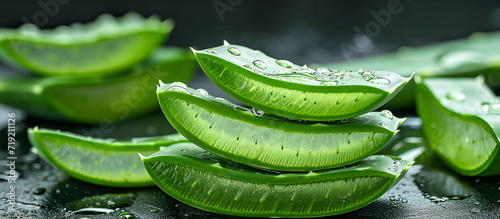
281	158
103	71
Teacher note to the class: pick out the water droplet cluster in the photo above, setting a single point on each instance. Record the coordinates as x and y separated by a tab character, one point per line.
303	74
320	76
491	107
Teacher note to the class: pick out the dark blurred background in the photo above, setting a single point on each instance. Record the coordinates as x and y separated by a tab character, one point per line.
301	31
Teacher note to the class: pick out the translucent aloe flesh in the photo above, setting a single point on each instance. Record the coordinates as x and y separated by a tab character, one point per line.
92	99
471	56
272	142
105	46
203	180
282	88
107	162
461	119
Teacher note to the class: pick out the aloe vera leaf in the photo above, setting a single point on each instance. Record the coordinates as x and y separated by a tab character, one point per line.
96	99
183	170
467	57
461	119
269	141
282	88
106	46
107	162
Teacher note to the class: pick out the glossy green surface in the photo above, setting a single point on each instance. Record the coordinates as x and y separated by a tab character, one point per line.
52	190
472	56
461	119
106	46
272	142
97	100
203	180
107	162
282	88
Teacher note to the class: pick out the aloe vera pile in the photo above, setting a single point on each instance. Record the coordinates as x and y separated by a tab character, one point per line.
93	73
302	151
302	148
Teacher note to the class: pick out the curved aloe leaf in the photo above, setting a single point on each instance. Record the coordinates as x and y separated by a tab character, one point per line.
471	56
108	162
96	99
107	46
282	88
461	119
272	142
183	170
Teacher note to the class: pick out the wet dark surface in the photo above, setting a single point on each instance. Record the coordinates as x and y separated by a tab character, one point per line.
429	190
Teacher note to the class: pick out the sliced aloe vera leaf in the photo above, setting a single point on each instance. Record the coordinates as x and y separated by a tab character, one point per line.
269	141
106	46
183	170
461	119
98	99
107	162
467	57
282	88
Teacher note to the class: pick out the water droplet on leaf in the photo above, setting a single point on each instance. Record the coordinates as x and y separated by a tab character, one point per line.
249	67
202	91
305	70
257	112
387	114
456	96
179	84
379	81
234	51
393	169
323	70
178	88
222	100
368	74
285	63
491	107
260	64
213	51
